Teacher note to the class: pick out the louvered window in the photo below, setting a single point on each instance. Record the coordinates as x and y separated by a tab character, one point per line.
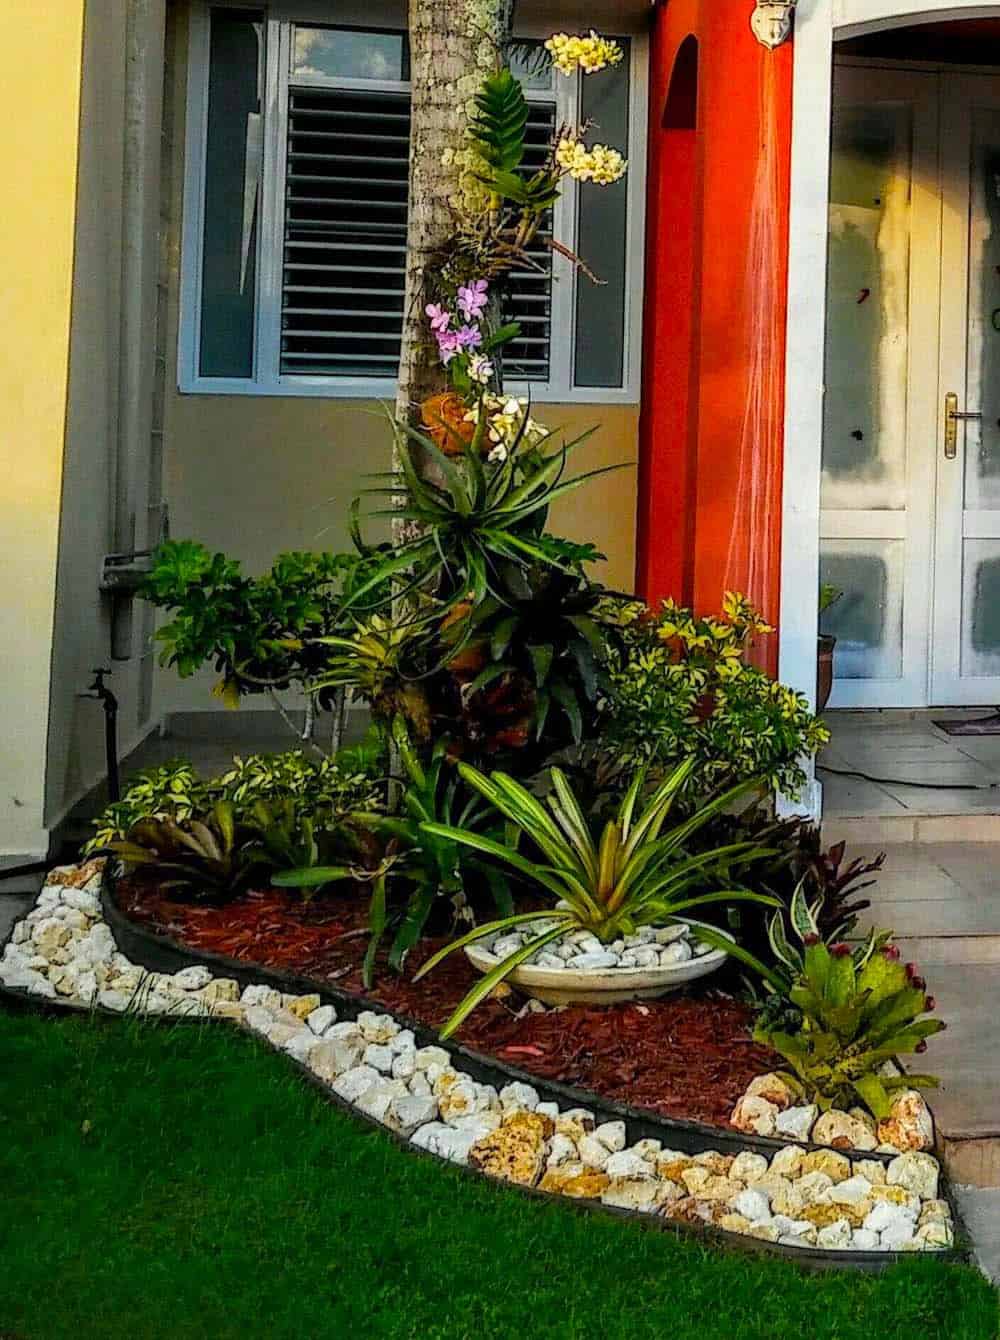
344	232
295	202
530	287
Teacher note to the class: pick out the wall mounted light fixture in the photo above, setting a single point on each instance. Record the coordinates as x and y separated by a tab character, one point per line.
771	21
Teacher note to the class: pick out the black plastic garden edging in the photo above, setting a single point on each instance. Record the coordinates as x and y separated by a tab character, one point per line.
160	953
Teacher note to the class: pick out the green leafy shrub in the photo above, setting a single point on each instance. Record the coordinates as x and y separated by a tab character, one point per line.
680	686
427	870
258	632
314	793
859	1009
172	791
319	788
636	874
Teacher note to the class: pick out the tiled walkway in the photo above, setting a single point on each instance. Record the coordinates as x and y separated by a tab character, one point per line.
940	891
903	748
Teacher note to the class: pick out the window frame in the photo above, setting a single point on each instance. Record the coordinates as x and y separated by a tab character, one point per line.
266	379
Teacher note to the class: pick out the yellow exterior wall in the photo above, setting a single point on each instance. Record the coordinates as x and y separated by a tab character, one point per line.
40	65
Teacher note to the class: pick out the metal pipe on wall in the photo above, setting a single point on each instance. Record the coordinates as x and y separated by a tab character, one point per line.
143	111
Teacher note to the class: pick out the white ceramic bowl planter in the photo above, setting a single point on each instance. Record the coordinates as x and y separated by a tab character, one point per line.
578	969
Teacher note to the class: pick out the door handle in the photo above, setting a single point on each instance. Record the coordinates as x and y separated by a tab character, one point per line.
953	416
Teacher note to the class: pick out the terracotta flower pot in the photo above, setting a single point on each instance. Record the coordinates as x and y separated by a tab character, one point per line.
824	670
468	662
444	418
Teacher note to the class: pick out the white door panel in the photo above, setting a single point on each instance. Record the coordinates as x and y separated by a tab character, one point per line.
880	418
965	662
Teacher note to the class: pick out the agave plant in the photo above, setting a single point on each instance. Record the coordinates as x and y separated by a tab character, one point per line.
638	873
471	518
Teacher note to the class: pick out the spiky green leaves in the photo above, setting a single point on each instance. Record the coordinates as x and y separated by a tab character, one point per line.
497	129
638	872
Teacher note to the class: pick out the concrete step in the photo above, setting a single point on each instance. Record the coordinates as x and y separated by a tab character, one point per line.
949	950
882	829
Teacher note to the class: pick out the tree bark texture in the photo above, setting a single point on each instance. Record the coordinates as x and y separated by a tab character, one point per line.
453	46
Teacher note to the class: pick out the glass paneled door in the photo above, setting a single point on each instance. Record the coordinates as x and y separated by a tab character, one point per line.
910	521
966	635
880	416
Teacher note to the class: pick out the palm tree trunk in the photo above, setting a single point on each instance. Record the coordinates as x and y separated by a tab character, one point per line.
453	44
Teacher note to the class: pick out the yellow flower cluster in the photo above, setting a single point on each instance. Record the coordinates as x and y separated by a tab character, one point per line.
599	164
589	54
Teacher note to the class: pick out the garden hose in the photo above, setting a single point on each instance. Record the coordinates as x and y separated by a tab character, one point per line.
898	781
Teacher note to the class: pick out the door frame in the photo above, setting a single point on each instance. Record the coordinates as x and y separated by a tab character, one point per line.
818	25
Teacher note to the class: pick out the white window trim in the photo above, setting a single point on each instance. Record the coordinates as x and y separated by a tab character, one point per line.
267	380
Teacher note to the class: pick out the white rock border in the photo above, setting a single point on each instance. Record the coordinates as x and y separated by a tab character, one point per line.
770	1108
63	951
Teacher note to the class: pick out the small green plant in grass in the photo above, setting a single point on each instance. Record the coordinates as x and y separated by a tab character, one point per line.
637	873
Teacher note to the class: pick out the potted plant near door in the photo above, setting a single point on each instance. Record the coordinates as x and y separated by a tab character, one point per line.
828	595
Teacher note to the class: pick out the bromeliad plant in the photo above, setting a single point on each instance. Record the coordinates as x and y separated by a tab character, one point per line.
638	873
201	856
544	633
861	1008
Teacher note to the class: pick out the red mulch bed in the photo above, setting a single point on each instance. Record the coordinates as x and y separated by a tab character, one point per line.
687	1056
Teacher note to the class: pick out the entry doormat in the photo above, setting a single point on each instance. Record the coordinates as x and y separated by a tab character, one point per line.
989	725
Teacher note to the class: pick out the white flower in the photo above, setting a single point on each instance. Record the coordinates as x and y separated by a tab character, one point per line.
480	369
498	455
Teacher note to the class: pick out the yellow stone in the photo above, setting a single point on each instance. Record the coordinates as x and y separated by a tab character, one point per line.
587	1185
836	1166
694	1178
301	1006
515	1151
673	1169
824	1215
716	1163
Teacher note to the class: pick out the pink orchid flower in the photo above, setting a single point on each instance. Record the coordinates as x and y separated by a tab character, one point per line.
472	299
469	337
440	318
448	345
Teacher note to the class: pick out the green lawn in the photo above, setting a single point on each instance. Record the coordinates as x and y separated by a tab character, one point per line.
182	1182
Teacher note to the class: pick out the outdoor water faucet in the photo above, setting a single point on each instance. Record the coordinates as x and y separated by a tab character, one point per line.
771	21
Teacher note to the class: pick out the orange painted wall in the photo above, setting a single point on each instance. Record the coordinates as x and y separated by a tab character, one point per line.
698	353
